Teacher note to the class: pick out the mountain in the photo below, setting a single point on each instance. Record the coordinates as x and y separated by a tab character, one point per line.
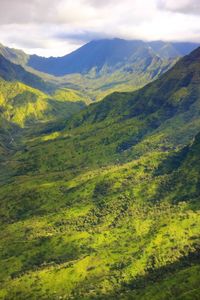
160	117
172	99
98	54
104	66
109	54
106	206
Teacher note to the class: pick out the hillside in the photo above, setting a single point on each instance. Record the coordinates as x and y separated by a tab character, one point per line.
16	56
7	131
110	236
25	98
168	107
23	105
107	205
13	72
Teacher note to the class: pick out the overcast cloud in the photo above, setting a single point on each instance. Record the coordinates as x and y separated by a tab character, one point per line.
56	27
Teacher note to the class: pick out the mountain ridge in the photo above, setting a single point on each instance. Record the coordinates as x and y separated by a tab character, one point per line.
99	55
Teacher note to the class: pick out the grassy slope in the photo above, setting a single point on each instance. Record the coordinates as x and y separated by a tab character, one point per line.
73	95
82	219
24	105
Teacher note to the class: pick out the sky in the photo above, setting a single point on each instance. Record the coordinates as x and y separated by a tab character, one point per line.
57	27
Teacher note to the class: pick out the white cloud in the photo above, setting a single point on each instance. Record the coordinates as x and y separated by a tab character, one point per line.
58	26
181	6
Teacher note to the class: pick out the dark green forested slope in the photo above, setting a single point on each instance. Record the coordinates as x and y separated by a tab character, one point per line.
108	206
7	131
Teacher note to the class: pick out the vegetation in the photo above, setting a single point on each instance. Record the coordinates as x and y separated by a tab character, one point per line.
22	105
105	205
13	72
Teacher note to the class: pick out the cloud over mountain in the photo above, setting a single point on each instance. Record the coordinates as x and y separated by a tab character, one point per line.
58	26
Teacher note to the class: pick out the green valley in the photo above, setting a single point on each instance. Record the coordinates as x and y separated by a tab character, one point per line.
102	203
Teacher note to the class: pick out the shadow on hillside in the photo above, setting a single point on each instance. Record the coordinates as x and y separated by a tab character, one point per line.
135	289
